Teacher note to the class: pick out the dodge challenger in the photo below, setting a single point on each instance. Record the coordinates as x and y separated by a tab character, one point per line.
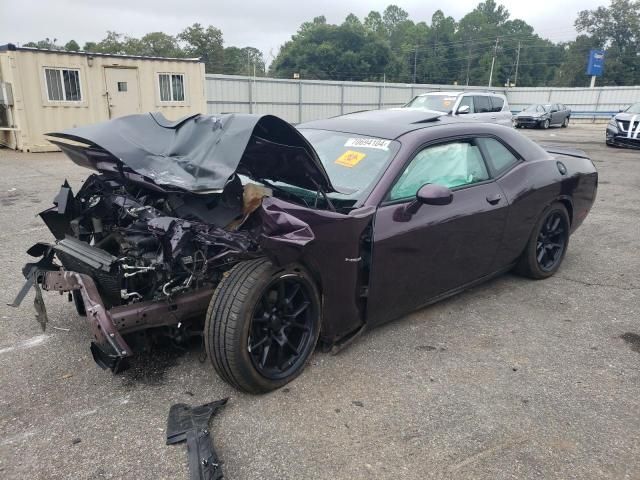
268	240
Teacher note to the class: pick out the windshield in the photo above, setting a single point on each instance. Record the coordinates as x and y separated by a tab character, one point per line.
437	102
534	108
635	108
353	162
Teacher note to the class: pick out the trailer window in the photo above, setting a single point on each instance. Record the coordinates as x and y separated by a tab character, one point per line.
63	85
171	87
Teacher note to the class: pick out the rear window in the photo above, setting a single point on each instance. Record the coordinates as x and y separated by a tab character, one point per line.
496	103
482	103
500	157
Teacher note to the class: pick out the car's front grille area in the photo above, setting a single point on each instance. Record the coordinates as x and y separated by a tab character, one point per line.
623	125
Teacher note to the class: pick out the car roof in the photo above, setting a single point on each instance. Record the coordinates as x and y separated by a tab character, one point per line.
459	93
388	124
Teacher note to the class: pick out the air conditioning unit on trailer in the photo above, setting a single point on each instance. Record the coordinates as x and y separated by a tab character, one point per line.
6	102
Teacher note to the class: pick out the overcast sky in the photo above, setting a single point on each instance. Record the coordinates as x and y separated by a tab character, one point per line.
263	24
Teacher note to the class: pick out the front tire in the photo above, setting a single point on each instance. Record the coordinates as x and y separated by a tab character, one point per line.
546	124
547	244
262	325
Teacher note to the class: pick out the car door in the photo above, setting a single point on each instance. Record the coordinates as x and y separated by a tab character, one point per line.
483	109
556	114
502	115
439	248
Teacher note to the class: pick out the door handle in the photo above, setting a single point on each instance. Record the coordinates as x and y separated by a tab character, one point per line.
493	118
494	199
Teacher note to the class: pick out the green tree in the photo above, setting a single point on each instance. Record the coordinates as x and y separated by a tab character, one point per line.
47	43
71	46
240	61
320	50
159	44
204	43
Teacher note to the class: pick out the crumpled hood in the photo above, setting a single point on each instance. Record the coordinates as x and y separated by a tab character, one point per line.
199	153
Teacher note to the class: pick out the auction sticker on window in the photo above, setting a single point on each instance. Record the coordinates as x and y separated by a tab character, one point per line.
378	143
350	158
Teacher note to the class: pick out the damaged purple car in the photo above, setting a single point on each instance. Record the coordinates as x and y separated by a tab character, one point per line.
267	239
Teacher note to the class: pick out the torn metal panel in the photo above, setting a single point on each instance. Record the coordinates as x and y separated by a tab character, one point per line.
200	153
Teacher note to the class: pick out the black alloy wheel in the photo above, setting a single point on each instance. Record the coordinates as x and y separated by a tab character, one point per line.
551	241
262	325
547	244
281	334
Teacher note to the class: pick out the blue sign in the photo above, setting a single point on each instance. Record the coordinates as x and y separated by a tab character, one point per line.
595	66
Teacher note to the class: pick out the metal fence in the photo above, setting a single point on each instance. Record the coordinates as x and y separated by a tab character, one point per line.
303	100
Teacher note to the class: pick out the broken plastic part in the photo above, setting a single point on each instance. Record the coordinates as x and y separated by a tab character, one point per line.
192	424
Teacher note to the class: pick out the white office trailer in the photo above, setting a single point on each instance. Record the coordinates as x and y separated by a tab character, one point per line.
49	90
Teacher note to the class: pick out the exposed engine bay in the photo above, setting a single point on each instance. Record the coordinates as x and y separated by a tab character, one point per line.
139	244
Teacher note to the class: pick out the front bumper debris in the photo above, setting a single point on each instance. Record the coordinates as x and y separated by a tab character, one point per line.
108	325
108	348
192	424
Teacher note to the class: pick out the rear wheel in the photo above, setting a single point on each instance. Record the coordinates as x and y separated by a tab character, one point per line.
547	245
565	124
262	325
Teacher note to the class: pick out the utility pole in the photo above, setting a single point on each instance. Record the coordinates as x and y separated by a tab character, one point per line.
468	62
493	61
415	62
515	80
384	85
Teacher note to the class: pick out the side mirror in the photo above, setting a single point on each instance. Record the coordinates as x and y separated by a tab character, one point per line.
463	109
621	110
429	194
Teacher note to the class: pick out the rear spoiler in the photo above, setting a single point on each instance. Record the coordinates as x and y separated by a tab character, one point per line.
568	151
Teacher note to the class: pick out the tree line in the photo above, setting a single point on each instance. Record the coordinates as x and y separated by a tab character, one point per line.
195	41
389	46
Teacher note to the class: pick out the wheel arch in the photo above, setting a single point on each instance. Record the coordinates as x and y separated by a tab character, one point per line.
568	204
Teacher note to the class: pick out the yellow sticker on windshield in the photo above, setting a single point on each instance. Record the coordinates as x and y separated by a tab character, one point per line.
350	158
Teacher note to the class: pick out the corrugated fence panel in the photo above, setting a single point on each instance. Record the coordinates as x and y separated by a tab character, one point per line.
303	100
318	111
363	95
275	92
288	112
234	90
396	95
319	93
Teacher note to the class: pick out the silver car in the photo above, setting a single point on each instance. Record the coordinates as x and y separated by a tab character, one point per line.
481	106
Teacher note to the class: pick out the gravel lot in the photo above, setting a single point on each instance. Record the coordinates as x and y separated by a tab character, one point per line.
513	379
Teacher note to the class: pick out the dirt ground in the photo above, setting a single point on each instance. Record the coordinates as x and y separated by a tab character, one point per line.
514	379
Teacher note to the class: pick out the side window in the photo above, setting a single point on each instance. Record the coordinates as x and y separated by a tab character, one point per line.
499	157
483	104
497	104
451	164
467	100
